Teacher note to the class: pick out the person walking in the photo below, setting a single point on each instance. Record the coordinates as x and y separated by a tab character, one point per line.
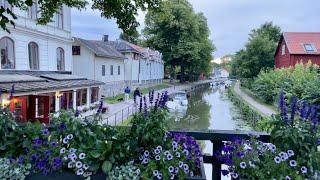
135	94
126	94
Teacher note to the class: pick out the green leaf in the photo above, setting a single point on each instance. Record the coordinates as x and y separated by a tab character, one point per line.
95	154
106	167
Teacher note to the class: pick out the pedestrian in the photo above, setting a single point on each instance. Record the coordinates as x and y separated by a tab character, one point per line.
135	94
126	94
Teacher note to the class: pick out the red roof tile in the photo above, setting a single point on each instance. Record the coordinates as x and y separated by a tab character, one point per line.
295	41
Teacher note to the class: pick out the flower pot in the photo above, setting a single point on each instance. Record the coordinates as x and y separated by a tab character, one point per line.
64	176
202	175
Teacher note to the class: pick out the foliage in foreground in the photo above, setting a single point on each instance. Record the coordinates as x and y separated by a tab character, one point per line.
301	81
294	151
85	148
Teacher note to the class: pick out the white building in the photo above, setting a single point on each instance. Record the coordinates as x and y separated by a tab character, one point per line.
36	65
99	61
143	66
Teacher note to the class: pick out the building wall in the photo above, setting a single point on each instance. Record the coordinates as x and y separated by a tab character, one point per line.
83	64
282	60
48	37
315	59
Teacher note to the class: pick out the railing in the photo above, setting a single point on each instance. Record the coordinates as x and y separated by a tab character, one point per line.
121	116
217	138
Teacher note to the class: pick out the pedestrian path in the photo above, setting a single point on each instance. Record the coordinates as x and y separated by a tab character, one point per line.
258	106
123	110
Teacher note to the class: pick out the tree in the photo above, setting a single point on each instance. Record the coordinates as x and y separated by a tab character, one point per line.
182	36
258	53
123	11
134	38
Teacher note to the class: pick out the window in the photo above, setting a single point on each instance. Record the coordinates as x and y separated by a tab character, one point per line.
60	59
33	56
94	94
103	70
75	50
111	70
81	97
33	10
7	53
59	18
309	48
283	50
66	100
5	4
118	70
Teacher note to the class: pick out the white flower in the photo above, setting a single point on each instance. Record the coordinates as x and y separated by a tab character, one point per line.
82	155
70	165
169	157
145	161
243	165
87	174
277	159
174	148
166	153
157	157
171	169
191	174
159	148
65	158
251	164
72	150
178	155
85	166
180	164
272	147
70	136
290	153
185	167
78	164
62	150
172	176
159	176
79	172
288	178
304	170
65	141
156	151
155	172
235	175
174	144
186	152
293	163
146	154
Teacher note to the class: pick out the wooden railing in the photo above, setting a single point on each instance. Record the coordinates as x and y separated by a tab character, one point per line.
217	138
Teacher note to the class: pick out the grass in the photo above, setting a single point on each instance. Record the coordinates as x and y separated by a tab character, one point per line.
120	97
259	100
127	121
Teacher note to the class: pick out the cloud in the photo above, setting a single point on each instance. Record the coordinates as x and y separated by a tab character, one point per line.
230	21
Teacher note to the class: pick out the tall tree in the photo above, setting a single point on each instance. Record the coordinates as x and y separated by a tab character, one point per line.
181	35
132	38
258	52
123	11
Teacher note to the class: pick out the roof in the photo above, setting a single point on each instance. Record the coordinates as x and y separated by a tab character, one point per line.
125	46
42	81
295	41
100	48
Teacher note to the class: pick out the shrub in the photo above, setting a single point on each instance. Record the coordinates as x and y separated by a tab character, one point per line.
300	81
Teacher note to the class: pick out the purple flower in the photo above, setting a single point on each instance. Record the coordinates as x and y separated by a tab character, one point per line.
45	132
21	159
294	102
224	172
304	110
283	107
57	162
240	154
62	127
37	142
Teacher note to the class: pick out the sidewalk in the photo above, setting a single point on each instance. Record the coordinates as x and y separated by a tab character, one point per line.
123	110
256	105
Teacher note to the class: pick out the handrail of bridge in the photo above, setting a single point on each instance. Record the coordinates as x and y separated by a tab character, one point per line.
217	138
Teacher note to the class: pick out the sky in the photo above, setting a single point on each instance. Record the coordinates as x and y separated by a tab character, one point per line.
230	21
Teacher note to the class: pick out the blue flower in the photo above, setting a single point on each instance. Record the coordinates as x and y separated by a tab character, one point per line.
62	127
224	172
21	159
283	108
45	132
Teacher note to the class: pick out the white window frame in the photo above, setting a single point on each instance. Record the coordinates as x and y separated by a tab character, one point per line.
59	18
33	58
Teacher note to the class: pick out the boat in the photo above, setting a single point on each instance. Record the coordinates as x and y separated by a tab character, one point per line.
178	101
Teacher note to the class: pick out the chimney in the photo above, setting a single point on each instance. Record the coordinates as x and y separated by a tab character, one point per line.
105	38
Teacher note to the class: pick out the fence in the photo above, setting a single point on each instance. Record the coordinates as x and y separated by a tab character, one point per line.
121	116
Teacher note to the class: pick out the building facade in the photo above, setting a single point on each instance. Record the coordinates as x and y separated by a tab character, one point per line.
297	47
99	61
36	65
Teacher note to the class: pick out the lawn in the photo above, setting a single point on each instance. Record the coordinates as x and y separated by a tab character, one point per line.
120	97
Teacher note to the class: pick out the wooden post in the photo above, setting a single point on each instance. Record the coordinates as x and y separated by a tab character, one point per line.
216	164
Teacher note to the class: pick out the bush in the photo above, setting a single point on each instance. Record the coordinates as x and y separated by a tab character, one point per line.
302	81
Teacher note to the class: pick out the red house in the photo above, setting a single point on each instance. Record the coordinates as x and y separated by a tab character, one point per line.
296	47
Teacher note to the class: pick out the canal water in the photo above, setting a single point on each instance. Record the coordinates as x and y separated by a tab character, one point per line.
208	108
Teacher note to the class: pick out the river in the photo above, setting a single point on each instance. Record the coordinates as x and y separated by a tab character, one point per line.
209	108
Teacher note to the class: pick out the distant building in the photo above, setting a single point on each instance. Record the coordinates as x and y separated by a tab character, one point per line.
97	60
296	47
36	65
143	66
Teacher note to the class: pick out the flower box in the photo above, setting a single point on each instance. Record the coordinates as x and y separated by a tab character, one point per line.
64	176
